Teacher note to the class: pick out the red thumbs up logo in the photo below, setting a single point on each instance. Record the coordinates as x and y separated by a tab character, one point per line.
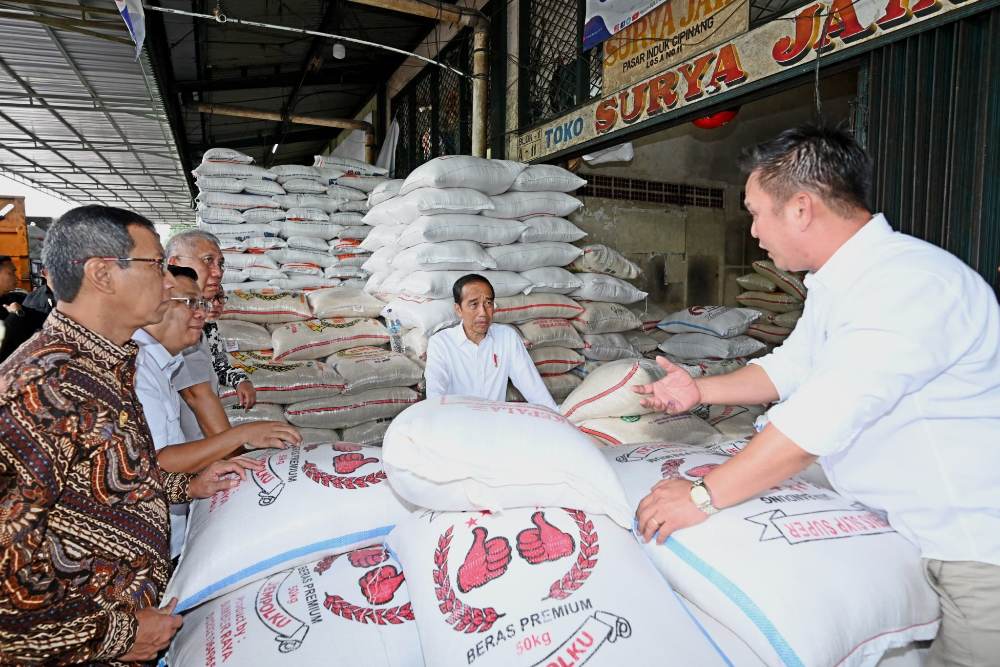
346	464
379	586
486	560
544	542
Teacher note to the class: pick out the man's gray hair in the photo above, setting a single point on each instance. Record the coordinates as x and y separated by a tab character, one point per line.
82	233
183	240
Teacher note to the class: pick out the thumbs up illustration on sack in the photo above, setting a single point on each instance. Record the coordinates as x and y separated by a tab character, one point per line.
379	586
543	543
487	559
346	464
368	556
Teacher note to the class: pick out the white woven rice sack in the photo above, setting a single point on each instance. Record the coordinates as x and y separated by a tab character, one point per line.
549	332
745	566
363	183
607	392
555	360
438	284
597	317
319	436
381	236
341	302
385	191
283	383
263	215
316	339
445	256
527	256
551	280
549	228
433	462
365	368
347	273
460	227
307	215
232	170
547	178
262	186
287	172
259	412
541	587
348	165
280	517
355	206
320	230
428	315
527	204
305	186
288	256
733	421
343	246
427	201
348	259
239	202
641	342
301	270
561	386
607	347
237	336
329	175
258	273
347	411
600	287
230	276
307	243
261	244
490	177
346	193
294	282
245	230
266	307
220	184
716	320
322	202
598	258
355	605
649	314
653	427
248	286
219	216
369	434
526	307
225	155
347	219
707	346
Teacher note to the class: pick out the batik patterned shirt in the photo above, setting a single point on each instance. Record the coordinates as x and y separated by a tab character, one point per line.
84	527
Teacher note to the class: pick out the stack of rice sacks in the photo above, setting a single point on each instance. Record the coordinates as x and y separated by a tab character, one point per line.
778	295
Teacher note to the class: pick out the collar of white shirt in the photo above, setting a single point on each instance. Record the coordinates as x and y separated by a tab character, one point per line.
459	338
852	258
168	363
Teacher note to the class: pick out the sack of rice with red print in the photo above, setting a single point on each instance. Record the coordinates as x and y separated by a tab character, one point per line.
607	392
745	566
527	307
597	317
355	605
315	339
280	517
555	360
266	306
346	411
787	282
716	320
365	368
542	586
288	382
258	413
237	336
550	332
656	426
457	453
733	421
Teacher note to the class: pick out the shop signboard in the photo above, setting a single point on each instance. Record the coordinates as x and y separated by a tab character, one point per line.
607	17
767	51
671	33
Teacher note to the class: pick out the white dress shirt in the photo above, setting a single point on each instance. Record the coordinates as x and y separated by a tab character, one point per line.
457	366
892	377
155	368
196	367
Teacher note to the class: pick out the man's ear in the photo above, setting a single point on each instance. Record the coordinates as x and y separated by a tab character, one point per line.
458	310
801	207
97	273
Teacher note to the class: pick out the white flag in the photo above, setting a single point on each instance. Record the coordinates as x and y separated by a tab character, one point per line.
135	19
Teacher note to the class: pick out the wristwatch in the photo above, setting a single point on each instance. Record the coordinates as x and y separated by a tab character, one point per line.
701	498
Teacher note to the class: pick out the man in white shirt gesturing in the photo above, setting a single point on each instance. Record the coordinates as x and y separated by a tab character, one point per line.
891	379
476	357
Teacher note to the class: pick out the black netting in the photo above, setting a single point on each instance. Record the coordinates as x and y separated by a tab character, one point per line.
454	93
424	145
401	112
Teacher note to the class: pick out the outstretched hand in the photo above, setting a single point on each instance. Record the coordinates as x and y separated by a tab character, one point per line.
675	393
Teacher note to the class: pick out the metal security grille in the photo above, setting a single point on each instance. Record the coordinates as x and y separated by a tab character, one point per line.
425	126
404	148
657	192
454	94
555	73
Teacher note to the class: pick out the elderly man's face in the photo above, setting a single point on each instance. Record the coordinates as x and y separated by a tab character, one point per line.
182	324
144	286
206	259
476	309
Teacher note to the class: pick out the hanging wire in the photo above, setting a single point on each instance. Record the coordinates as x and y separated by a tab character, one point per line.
219	17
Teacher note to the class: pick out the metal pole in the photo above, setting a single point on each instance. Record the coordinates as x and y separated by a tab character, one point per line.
480	77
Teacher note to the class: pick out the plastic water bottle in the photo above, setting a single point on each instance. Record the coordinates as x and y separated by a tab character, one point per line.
395	339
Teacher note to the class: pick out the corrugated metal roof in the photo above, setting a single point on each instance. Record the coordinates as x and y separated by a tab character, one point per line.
81	117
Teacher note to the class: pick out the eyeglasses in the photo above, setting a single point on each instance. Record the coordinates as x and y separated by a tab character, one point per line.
220	299
158	261
193	303
208	260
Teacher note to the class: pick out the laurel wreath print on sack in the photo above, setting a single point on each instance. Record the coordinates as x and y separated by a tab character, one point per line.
368	615
312	471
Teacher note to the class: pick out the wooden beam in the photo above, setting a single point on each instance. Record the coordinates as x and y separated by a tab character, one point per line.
426	8
258	114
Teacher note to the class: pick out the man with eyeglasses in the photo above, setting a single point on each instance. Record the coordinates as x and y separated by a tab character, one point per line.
160	348
197	380
85	535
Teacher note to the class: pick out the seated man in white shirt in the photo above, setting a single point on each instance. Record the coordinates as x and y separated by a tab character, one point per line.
160	348
476	357
891	378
